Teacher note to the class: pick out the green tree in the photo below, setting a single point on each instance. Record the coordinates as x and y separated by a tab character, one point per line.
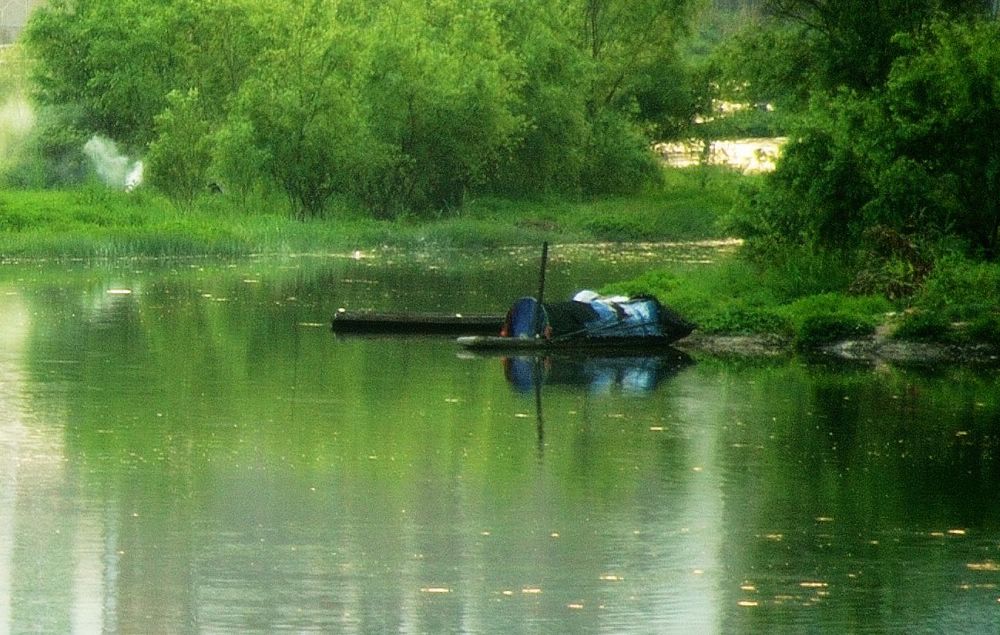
440	87
116	61
918	158
942	114
178	159
305	116
553	96
406	105
852	42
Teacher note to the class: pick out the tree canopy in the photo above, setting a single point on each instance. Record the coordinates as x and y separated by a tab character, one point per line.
893	155
404	105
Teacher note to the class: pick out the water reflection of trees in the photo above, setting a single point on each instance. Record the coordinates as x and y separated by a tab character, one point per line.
213	441
863	495
231	451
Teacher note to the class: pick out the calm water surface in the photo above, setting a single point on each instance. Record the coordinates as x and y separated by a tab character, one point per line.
185	447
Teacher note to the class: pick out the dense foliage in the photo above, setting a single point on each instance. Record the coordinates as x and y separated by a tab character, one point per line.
404	106
893	161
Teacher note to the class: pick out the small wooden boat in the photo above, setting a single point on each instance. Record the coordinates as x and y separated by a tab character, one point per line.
588	322
416	323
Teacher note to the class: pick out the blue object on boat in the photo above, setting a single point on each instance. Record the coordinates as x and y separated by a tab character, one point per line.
521	319
590	315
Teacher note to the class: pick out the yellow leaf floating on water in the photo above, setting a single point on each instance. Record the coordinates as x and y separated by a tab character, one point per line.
435	589
575	606
988	565
748	603
809	584
531	590
610	577
956	532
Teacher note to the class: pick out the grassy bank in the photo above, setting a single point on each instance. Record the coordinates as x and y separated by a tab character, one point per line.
97	222
804	305
803	300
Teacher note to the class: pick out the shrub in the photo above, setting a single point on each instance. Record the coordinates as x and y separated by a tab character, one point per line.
740	319
960	289
924	326
985	328
817	330
617	228
618	158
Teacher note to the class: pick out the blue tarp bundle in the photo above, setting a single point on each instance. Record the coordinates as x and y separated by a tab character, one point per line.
591	315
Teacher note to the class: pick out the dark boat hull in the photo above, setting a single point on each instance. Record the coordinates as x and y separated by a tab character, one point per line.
416	323
639	345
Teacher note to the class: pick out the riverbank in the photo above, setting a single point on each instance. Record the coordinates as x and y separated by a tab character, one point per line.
751	309
96	222
872	349
741	307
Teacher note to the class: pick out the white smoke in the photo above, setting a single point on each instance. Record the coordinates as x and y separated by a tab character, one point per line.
114	168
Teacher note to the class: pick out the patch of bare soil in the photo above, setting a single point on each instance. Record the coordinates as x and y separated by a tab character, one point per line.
877	348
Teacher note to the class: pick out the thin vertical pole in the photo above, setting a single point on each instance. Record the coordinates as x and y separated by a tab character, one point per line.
541	290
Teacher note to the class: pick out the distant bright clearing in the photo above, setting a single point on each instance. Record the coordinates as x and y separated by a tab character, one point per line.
750	156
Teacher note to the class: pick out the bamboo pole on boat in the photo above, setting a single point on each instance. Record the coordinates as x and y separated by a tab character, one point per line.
541	290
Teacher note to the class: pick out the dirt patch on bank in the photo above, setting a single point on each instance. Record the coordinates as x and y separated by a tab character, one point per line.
874	349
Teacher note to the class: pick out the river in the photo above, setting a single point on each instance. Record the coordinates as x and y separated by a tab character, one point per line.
186	447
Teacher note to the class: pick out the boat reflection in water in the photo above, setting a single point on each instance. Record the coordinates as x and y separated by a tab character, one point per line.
628	374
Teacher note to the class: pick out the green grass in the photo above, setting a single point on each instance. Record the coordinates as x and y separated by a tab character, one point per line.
93	221
736	297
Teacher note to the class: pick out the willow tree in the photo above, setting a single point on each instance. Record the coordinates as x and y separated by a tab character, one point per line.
304	118
441	88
